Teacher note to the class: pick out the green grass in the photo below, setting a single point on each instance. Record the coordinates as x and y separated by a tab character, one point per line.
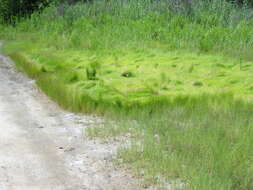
203	142
179	81
129	77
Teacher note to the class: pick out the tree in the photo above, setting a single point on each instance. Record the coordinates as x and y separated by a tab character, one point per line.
10	9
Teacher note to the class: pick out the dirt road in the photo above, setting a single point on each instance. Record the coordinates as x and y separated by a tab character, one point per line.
43	147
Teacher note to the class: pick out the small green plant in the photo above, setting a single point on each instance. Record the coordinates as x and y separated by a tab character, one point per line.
92	69
127	74
43	69
91	73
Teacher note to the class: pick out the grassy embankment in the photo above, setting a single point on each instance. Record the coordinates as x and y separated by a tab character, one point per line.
180	83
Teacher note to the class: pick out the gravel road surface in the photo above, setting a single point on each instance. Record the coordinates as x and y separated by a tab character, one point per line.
44	148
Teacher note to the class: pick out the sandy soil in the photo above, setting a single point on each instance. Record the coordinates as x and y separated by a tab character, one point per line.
44	148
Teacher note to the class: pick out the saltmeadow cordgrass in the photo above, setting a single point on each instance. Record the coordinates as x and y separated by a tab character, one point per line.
176	76
131	77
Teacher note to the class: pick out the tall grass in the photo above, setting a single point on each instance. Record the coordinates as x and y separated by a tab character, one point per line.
202	26
202	142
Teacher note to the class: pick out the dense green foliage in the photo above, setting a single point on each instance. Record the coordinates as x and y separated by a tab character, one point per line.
177	75
209	27
11	9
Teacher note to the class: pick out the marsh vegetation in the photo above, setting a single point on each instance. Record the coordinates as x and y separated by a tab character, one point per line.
177	76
